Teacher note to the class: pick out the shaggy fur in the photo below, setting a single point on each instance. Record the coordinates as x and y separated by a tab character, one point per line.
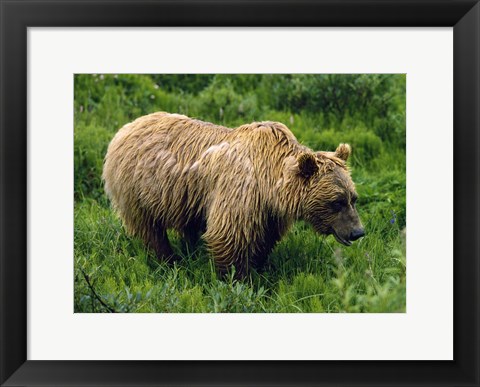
240	189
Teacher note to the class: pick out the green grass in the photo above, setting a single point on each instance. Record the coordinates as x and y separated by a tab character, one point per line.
306	272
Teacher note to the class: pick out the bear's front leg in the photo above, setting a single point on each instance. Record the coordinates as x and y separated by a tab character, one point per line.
227	255
273	231
231	242
235	218
191	236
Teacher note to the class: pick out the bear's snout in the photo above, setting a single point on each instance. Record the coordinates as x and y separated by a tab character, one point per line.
356	234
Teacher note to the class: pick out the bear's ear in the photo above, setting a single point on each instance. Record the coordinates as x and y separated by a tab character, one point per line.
343	151
307	164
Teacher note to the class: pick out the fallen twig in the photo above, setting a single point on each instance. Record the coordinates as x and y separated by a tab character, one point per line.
109	308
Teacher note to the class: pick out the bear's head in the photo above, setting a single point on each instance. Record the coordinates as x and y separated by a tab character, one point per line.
328	194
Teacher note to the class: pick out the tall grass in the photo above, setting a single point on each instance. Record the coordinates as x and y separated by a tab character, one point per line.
306	272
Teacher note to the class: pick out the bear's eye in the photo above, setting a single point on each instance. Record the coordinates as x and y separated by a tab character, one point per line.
353	200
339	204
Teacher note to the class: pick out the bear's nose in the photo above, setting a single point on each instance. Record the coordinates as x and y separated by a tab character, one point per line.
358	233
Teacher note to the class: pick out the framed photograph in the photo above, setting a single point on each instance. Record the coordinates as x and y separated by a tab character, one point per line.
254	193
266	233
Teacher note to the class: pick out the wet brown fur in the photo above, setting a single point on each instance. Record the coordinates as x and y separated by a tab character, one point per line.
241	189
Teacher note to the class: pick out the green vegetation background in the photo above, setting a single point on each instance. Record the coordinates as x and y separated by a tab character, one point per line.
306	272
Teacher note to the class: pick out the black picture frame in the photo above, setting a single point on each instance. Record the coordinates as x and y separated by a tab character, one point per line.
18	15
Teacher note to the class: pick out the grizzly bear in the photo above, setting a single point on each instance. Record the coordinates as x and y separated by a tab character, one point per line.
239	189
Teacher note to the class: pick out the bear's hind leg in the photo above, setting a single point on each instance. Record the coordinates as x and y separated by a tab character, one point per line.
158	241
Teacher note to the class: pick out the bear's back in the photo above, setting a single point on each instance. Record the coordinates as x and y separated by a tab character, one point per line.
148	163
169	165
